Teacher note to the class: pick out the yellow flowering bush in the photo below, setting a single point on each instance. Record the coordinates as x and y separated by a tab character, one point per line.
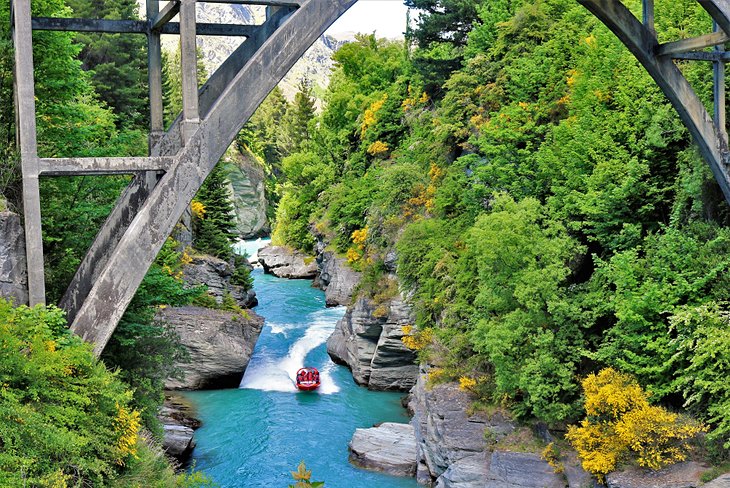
378	148
621	423
198	209
370	116
126	425
466	383
415	339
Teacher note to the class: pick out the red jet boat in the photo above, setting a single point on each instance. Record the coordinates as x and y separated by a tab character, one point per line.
308	379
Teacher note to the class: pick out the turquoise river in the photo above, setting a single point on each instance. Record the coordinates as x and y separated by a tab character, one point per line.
255	435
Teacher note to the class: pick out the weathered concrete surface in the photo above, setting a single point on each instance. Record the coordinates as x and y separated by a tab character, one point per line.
216	274
285	262
680	475
220	345
240	92
389	447
13	270
337	279
368	341
248	187
521	470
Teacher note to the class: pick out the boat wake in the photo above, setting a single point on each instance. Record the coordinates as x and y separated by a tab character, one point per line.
266	372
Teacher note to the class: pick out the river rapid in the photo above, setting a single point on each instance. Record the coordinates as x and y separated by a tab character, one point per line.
255	435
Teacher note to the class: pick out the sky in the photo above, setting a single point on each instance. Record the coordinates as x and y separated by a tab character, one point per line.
386	17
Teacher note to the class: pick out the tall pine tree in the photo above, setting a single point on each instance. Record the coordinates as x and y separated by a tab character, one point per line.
214	231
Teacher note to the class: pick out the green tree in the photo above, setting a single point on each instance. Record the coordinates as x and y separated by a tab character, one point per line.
118	62
215	230
294	128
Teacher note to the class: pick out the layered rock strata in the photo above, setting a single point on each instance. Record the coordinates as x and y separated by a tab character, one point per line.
285	262
337	279
13	270
219	343
217	274
389	447
179	425
368	341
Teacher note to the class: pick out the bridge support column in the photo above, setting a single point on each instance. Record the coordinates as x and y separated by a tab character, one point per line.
24	87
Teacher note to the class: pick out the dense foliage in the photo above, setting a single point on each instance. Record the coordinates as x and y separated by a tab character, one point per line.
550	214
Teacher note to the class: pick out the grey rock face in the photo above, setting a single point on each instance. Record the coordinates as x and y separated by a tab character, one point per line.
452	449
216	273
390	448
179	425
337	279
248	187
368	341
521	470
287	263
220	345
13	270
680	475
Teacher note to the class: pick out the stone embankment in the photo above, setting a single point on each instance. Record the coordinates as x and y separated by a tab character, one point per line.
217	274
13	270
368	341
389	447
285	262
219	343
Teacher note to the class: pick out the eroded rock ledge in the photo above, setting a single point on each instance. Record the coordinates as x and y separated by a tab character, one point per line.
179	424
220	345
284	262
389	447
13	271
368	341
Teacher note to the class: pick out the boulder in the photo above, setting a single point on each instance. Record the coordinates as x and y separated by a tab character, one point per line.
178	426
216	274
452	450
13	270
521	470
285	262
680	475
337	279
220	345
389	447
248	186
368	340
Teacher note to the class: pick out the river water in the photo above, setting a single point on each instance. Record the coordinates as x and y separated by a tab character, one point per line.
255	435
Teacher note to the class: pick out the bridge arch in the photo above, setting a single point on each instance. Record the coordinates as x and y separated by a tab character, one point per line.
181	158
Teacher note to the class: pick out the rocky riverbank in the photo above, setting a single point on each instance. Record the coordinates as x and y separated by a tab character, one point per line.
336	278
179	423
219	343
368	341
285	262
216	274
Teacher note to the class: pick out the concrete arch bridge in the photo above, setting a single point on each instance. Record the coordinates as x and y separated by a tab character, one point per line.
181	158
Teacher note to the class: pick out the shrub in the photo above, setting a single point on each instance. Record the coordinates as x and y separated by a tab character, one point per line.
620	424
65	419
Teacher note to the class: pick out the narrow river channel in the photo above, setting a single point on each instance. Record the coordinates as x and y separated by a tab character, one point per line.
255	435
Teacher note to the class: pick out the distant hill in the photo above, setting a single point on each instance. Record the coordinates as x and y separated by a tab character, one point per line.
316	64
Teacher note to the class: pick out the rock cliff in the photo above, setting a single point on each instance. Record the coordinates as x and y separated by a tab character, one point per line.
287	263
13	271
248	187
220	345
216	273
336	278
458	449
368	341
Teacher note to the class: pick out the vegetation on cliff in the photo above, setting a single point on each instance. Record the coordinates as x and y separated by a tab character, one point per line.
550	213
